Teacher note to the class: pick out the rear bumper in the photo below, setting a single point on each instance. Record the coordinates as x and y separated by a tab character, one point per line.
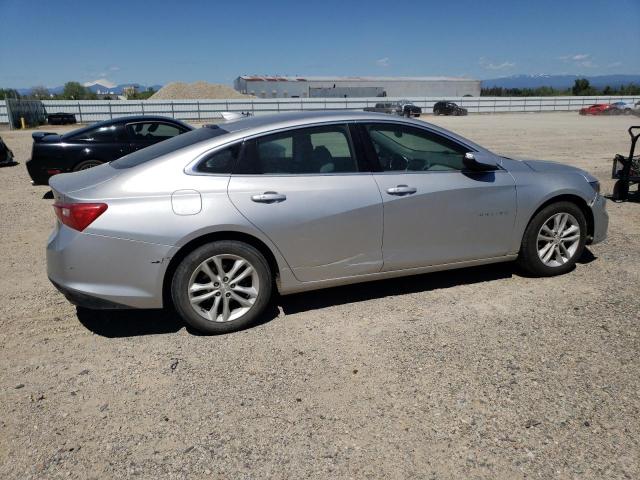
38	174
105	272
600	219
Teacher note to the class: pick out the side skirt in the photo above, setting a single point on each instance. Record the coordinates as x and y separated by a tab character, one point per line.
288	284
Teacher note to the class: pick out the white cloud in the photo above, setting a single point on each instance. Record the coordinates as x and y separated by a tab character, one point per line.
114	68
487	65
580	56
575	58
383	62
614	64
102	81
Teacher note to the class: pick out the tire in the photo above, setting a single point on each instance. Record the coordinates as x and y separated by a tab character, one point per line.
227	313
532	251
617	188
436	112
87	164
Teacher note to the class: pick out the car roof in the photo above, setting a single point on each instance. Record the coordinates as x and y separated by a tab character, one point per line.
260	124
292	119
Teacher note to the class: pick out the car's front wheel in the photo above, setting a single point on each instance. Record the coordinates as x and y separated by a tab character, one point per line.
554	240
222	286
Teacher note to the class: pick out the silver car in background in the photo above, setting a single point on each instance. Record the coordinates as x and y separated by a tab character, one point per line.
215	221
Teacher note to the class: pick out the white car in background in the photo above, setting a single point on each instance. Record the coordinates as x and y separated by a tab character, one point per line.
623	108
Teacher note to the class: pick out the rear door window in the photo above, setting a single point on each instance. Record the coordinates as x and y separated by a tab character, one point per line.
314	150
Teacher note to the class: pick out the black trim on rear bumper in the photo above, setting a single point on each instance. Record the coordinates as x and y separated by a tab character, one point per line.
87	301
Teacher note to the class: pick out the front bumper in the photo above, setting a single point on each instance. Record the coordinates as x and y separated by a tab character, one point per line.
105	272
600	219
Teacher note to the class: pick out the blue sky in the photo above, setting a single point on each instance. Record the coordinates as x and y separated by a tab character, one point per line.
50	42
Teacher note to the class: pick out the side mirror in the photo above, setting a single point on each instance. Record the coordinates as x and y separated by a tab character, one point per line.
480	161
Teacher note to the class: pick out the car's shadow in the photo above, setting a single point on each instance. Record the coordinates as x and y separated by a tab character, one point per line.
130	323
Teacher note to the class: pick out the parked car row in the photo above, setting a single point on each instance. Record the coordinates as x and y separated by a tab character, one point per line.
216	220
405	108
616	108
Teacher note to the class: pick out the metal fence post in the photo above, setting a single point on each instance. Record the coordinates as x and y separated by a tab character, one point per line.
110	112
142	107
198	110
80	112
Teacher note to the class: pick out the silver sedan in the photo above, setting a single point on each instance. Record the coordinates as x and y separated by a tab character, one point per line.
215	221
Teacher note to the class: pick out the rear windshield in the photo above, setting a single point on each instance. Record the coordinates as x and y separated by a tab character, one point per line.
167	146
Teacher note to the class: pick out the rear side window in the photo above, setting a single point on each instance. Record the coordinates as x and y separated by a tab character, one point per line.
176	143
98	135
221	161
152	131
314	150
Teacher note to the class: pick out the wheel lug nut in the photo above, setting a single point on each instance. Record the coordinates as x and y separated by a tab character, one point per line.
225	279
227	294
216	284
217	294
233	285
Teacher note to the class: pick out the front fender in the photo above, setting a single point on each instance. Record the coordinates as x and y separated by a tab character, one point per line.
534	189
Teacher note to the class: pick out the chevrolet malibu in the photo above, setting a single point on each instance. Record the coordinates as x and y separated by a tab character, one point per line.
215	221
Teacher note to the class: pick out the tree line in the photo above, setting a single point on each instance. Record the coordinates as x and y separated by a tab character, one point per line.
581	87
71	91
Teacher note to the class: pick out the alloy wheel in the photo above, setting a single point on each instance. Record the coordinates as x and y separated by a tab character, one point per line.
223	288
558	239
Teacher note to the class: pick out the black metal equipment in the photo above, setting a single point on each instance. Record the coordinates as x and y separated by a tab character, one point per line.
627	171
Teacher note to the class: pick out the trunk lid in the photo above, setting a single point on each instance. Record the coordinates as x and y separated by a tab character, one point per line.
45	137
67	183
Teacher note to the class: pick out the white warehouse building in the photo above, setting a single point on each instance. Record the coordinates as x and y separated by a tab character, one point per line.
331	87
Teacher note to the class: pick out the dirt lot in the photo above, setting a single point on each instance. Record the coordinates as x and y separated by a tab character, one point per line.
477	373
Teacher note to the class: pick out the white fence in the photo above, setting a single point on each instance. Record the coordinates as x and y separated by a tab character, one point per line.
87	111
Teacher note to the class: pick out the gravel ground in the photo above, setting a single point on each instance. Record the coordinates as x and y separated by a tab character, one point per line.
476	373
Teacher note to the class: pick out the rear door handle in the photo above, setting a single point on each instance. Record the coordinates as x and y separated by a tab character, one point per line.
269	197
401	190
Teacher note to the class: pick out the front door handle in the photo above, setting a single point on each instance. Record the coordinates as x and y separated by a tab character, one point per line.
401	190
269	197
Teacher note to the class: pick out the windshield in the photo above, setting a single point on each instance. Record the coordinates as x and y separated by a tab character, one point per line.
167	146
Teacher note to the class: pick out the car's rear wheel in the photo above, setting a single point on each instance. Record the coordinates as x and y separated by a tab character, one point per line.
554	240
87	164
222	287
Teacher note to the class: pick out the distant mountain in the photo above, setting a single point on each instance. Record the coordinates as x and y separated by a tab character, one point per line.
559	81
97	88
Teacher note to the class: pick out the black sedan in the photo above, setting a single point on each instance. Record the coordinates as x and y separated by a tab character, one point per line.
448	108
60	118
98	143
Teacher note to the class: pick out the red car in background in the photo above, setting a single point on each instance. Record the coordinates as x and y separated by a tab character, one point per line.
597	109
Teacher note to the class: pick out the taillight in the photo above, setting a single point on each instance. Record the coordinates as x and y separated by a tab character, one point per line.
79	215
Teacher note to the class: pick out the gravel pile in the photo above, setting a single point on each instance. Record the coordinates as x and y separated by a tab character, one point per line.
196	90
